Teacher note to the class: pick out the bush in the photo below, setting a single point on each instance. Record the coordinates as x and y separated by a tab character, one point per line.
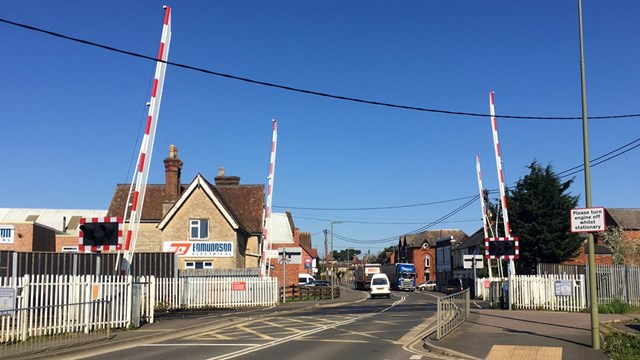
621	346
615	307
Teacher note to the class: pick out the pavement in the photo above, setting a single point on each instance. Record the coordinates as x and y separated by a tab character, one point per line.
487	334
521	334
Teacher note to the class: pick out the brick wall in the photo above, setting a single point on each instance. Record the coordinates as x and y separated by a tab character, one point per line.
31	237
419	255
583	258
292	272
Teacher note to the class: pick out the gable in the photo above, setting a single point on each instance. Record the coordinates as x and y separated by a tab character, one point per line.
199	184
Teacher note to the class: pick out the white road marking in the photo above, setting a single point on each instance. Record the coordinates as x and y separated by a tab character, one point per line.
196	345
297	336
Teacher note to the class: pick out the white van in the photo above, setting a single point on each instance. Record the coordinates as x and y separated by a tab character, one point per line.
305	279
380	286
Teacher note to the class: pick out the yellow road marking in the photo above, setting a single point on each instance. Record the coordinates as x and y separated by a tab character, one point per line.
256	333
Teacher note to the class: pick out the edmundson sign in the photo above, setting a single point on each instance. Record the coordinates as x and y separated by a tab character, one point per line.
199	248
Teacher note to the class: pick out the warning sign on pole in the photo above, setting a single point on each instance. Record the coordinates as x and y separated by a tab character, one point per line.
587	220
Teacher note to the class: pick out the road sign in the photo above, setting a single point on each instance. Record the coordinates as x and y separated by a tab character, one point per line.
292	255
469	259
587	220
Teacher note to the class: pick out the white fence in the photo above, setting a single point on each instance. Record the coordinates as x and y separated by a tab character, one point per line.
204	291
49	292
52	305
539	292
549	292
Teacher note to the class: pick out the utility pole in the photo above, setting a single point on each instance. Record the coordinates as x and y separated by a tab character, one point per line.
326	254
593	293
332	270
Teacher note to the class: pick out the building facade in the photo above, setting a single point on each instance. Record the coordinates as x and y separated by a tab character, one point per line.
209	226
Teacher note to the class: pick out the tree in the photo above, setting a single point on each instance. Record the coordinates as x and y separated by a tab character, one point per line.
346	254
624	251
539	210
382	255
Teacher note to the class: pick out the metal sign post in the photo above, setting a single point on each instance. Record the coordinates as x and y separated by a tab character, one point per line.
284	259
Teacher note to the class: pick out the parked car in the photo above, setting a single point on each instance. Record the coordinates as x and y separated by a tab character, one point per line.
319	283
456	285
427	285
380	286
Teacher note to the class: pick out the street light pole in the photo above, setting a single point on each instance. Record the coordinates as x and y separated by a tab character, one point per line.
332	271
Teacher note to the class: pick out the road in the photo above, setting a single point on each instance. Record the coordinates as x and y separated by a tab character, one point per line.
367	329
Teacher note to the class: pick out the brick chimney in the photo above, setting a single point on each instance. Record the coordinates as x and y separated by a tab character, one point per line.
222	180
305	239
172	169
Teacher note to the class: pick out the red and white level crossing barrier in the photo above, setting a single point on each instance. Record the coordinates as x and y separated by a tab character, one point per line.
266	243
136	193
496	145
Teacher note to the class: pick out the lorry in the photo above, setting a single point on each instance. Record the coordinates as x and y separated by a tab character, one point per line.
362	275
401	275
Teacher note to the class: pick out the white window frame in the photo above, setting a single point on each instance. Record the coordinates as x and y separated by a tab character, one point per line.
196	224
427	262
192	264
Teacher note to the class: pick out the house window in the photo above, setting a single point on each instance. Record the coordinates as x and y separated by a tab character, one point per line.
199	229
427	263
198	265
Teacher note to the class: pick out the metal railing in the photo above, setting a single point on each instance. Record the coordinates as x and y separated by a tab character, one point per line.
453	310
32	330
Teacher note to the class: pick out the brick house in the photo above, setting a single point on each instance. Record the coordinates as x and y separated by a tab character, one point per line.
50	230
284	234
210	226
420	250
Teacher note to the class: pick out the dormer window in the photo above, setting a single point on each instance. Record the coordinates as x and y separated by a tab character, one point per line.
199	229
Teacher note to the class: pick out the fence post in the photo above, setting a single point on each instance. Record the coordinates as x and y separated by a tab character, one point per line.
25	304
152	298
87	303
467	303
129	289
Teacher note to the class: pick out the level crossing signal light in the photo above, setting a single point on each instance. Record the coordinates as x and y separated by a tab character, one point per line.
505	248
99	233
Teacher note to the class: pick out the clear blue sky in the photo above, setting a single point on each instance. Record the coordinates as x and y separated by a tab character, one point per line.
71	114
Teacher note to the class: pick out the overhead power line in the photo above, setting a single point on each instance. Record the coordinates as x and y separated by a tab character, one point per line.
306	91
374	208
600	159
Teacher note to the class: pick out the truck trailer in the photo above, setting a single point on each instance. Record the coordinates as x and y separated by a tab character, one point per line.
362	275
401	275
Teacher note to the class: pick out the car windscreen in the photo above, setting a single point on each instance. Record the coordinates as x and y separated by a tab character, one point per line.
379	281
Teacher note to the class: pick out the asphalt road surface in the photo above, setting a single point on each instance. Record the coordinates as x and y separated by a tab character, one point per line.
370	329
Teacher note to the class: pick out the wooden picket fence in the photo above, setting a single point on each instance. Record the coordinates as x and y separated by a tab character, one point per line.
54	310
48	291
218	292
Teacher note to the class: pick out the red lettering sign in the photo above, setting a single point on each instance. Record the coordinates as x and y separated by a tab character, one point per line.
239	286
